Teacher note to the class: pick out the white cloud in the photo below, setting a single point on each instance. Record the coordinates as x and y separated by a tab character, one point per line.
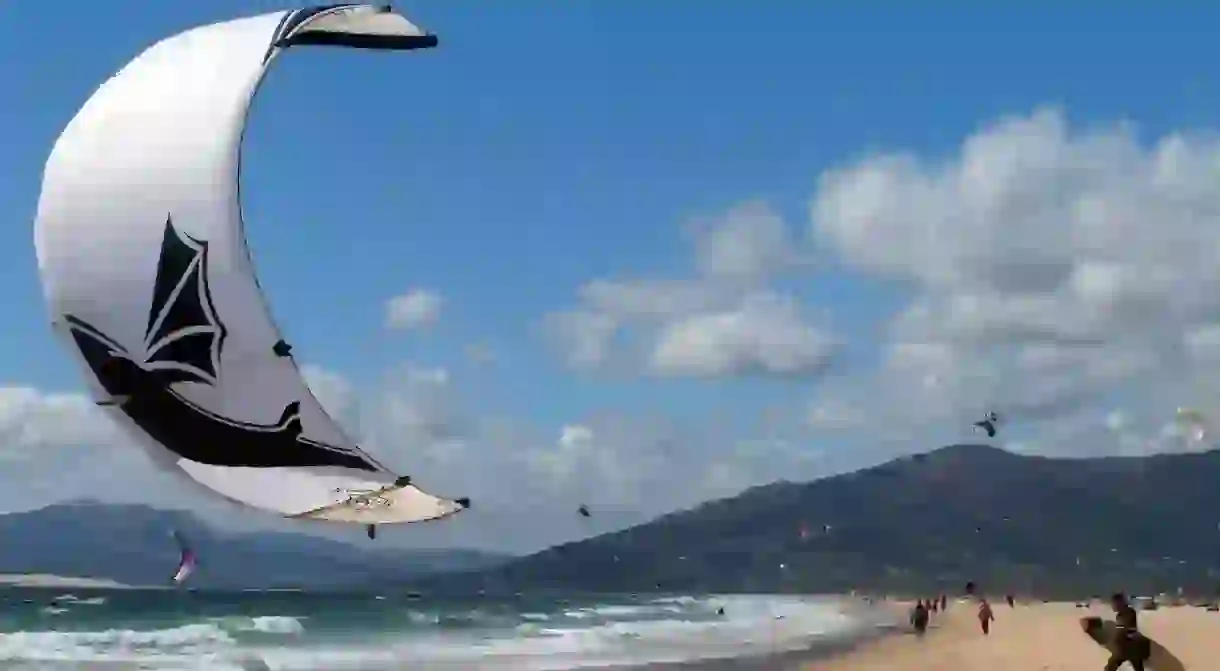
724	321
414	409
1048	268
415	309
750	242
59	446
584	336
765	334
1066	278
34	420
1035	233
574	435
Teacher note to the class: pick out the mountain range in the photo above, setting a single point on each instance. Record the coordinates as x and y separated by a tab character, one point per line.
920	524
925	523
132	544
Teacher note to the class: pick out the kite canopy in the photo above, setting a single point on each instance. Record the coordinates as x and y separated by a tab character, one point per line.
186	560
145	267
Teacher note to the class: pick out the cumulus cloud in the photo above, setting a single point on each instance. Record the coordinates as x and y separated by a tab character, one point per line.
575	435
1065	277
59	446
764	334
1036	233
1047	268
750	242
33	420
415	309
722	321
414	409
1056	274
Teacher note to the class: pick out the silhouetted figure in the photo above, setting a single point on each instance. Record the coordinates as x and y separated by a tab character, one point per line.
944	603
1012	602
919	617
1129	645
986	617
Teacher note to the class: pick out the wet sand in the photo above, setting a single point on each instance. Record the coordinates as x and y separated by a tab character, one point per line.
796	660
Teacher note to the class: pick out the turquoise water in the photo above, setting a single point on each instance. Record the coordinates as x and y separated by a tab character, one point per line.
162	629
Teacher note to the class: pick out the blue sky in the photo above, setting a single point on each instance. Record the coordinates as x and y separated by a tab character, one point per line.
547	144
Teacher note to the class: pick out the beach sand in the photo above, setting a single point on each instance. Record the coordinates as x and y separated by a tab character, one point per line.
1030	637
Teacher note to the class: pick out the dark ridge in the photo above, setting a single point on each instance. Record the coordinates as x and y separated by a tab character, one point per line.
131	544
924	522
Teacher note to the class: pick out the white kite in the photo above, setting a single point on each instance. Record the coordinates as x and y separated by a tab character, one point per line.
143	256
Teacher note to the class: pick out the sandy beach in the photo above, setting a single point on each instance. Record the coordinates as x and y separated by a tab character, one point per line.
1030	637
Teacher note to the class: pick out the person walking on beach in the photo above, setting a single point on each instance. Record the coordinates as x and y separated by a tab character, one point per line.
985	616
919	617
1129	644
944	603
1012	603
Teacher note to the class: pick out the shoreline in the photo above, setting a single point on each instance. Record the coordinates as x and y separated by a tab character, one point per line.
879	622
50	580
822	649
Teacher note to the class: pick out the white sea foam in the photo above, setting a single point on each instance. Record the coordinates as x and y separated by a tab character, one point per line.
622	633
266	624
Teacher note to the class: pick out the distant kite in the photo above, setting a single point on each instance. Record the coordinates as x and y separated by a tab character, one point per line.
990	424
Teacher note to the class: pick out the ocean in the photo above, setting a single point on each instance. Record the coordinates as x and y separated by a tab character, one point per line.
109	629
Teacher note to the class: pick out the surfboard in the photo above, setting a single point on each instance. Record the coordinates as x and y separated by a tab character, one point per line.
1103	631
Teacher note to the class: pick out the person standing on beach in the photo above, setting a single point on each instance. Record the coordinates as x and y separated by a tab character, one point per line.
1129	644
919	617
944	603
985	616
1012	603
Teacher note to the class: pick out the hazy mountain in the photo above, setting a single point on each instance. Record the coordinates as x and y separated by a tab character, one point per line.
929	522
132	544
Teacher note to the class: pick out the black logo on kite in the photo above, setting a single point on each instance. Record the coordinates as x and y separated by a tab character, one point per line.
182	343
